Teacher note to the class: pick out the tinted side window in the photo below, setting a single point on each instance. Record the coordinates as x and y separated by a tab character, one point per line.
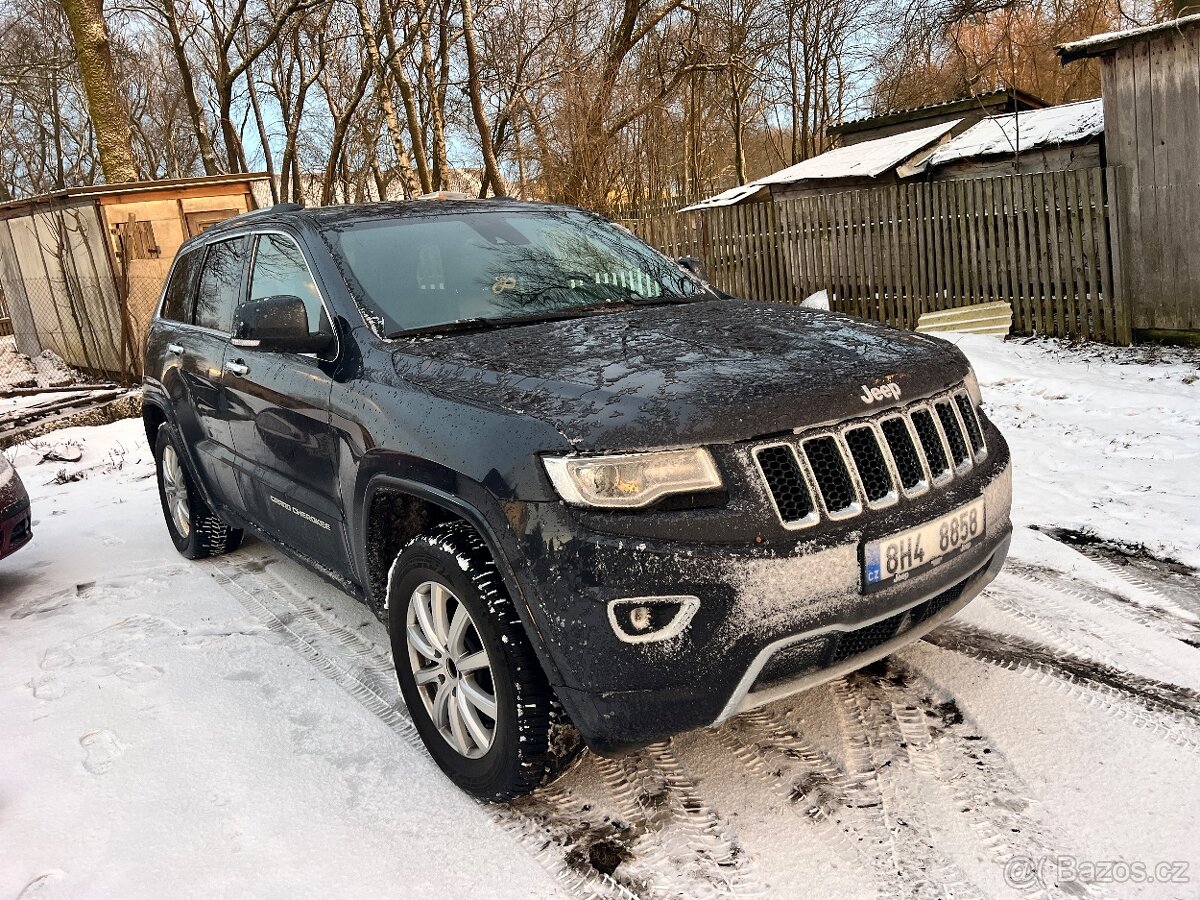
221	283
181	292
279	269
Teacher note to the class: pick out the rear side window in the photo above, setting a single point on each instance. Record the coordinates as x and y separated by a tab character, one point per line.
280	270
181	292
221	284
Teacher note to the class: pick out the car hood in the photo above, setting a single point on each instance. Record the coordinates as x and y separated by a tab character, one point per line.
680	375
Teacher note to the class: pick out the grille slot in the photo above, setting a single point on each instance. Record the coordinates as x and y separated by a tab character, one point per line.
872	467
954	435
931	443
787	484
832	476
904	453
967	411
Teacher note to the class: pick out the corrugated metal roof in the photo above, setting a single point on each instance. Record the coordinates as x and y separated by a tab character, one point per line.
896	115
1003	135
1099	44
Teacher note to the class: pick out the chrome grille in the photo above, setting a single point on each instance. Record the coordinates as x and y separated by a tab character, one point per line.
869	463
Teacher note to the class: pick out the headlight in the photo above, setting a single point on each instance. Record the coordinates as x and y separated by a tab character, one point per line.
972	385
631	479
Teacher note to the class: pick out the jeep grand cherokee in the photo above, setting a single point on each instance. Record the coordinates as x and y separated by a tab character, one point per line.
589	494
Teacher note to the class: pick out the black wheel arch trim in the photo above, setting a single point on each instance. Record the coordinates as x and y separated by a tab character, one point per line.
474	517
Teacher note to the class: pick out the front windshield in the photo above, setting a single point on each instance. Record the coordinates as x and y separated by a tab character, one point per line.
485	267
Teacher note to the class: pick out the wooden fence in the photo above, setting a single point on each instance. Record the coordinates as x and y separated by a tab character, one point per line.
1040	242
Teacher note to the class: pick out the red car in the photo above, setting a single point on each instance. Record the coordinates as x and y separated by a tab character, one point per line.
15	526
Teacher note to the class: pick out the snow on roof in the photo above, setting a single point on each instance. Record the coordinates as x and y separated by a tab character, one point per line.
1002	135
730	197
868	159
1101	43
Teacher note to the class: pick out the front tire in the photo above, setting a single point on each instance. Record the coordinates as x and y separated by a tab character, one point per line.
473	687
196	532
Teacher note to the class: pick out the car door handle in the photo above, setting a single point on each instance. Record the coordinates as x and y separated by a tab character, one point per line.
175	349
236	368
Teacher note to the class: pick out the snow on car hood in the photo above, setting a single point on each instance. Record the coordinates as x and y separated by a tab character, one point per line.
678	375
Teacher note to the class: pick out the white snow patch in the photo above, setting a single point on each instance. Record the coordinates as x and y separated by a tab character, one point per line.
867	159
1025	130
819	300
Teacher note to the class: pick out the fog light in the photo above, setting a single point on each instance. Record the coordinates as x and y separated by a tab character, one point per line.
638	620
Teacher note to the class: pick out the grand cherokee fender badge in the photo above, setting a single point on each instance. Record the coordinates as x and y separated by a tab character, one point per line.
301	513
870	394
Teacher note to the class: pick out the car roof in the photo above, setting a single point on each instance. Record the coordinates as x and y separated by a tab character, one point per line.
332	216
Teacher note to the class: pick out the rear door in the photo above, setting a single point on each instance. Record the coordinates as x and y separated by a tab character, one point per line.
205	288
279	417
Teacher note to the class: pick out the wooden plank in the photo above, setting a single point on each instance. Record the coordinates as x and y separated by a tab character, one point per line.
1086	278
921	210
1114	227
1088	188
977	290
1047	251
1147	290
1078	260
853	252
878	252
892	313
987	235
1016	295
945	266
907	316
1027	257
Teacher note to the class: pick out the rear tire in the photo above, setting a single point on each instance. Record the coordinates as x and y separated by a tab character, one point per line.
196	532
461	654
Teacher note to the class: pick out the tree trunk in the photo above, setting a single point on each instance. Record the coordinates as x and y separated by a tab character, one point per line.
412	187
491	171
188	86
114	138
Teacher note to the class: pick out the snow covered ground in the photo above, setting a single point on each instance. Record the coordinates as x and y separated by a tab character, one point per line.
232	728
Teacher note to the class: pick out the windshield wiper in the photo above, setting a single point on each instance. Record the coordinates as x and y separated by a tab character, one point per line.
489	323
477	323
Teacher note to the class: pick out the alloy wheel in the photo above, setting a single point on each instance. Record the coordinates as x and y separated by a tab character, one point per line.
175	490
452	670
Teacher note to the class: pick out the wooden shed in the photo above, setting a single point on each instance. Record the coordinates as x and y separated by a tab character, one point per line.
81	269
1150	79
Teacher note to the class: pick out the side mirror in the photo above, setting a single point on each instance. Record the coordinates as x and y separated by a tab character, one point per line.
277	325
695	266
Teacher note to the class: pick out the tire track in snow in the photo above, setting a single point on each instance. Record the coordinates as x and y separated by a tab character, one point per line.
1062	627
977	781
1177	624
924	870
658	798
1171	711
814	787
356	665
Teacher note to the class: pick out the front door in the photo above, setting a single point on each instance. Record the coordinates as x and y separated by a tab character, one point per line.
279	419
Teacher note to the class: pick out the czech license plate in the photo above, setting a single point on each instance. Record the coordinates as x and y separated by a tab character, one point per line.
895	558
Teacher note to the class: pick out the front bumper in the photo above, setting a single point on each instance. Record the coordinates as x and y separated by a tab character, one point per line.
774	617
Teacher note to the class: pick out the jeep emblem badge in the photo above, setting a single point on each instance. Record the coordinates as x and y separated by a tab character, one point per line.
871	394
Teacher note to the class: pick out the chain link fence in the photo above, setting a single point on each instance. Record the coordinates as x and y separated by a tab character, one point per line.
87	324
